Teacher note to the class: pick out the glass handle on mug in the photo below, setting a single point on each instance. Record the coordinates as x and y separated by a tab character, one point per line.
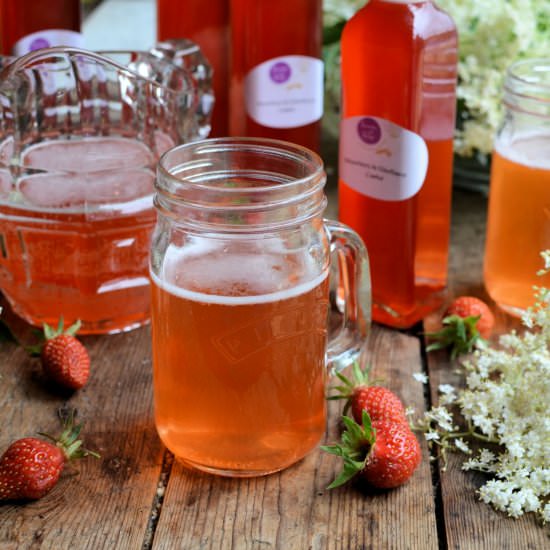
351	292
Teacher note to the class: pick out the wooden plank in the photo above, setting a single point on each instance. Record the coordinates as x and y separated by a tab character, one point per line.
292	509
101	503
469	523
106	503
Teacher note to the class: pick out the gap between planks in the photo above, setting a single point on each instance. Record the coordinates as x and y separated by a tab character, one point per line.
156	506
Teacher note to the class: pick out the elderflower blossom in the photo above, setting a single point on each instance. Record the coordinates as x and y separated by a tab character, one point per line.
462	445
448	394
506	402
492	35
335	11
420	377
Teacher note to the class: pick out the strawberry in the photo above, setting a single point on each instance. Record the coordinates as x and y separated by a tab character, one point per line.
469	306
30	467
467	321
64	359
383	453
379	402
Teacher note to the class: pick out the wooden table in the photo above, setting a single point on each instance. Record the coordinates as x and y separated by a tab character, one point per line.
136	496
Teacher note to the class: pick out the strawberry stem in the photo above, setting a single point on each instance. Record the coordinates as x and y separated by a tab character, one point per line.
68	441
460	334
357	442
359	378
49	333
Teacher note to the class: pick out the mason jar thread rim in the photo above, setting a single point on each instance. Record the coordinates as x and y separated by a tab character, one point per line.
524	90
229	144
237	185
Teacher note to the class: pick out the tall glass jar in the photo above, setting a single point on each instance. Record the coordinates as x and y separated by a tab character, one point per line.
518	224
240	266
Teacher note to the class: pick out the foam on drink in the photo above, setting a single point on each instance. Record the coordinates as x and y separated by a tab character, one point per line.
531	149
202	273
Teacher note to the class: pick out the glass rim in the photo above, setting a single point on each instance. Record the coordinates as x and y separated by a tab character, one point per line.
14	64
258	145
532	63
190	46
525	90
523	74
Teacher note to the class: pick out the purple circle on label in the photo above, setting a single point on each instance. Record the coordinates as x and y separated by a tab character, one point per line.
280	72
369	130
38	43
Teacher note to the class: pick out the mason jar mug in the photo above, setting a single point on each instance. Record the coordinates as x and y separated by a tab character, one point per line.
240	264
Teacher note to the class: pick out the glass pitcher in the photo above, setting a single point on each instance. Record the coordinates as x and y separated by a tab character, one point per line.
80	136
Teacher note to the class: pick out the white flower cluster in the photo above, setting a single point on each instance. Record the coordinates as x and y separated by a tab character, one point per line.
492	35
335	11
506	402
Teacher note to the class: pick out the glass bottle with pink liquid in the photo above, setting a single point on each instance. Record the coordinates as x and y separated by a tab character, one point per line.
518	223
399	66
276	76
206	24
26	25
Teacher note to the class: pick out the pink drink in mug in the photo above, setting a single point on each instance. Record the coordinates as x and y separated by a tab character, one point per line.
81	135
239	265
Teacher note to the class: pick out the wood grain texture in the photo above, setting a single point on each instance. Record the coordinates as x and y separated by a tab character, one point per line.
101	503
116	503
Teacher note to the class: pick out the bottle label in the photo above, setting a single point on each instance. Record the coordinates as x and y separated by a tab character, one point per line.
47	39
381	159
285	92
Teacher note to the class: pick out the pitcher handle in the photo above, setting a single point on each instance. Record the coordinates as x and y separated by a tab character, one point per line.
352	293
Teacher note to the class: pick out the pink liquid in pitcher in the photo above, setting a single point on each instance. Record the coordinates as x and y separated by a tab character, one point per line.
75	241
239	366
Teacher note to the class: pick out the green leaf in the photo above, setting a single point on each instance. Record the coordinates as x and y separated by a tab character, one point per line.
333	449
435	346
333	33
68	440
460	334
49	332
34	351
350	469
357	441
74	449
347	382
74	328
361	377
